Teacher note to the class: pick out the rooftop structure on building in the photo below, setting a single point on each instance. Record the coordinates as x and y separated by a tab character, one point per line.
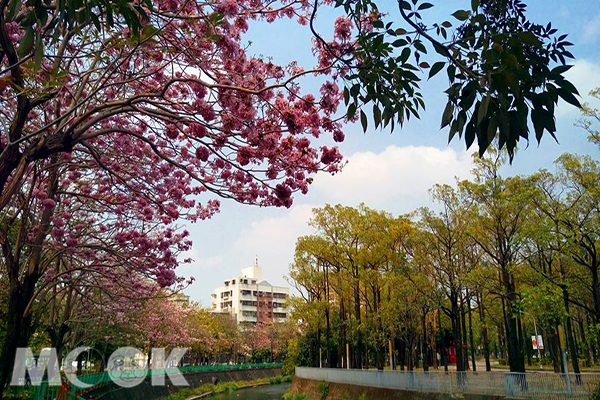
250	299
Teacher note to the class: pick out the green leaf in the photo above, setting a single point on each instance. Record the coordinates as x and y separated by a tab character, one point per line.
376	115
148	31
568	97
461	15
470	133
399	43
26	43
560	70
425	6
538	125
13	9
420	46
404	55
483	108
351	110
568	86
437	67
492	129
346	96
39	52
453	130
530	39
406	5
363	120
474	4
447	115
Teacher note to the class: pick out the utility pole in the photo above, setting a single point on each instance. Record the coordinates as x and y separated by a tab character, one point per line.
347	356
536	338
320	358
391	356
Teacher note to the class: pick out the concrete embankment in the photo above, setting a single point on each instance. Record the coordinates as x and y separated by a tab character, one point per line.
145	390
317	390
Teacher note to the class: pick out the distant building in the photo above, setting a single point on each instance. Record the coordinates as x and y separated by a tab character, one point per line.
250	299
180	298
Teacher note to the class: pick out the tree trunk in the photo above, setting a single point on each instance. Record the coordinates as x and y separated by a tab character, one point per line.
585	343
424	342
554	349
571	344
484	335
359	345
516	360
471	339
465	339
457	334
18	325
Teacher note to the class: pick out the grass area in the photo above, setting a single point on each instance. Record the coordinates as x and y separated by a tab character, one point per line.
18	393
290	396
224	387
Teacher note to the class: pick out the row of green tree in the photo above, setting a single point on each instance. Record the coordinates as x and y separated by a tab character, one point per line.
496	259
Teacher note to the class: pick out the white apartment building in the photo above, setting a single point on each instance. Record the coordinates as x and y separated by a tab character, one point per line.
250	299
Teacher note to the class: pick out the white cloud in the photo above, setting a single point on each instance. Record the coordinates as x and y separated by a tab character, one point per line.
273	240
199	265
397	179
591	29
584	75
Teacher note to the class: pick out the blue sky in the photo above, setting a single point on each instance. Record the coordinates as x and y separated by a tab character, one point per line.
390	171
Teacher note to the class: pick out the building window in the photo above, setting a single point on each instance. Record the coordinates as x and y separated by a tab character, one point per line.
233	281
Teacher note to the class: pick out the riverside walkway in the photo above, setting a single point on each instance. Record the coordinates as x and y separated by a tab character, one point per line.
530	385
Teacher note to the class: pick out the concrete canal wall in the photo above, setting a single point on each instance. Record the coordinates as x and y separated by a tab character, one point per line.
347	384
145	391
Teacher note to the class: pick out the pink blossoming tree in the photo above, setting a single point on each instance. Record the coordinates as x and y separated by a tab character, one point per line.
112	133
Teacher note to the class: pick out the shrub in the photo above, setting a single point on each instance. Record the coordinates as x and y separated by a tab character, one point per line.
17	393
323	388
595	394
227	387
296	396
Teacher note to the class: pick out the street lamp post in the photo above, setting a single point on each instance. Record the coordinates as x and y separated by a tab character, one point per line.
536	338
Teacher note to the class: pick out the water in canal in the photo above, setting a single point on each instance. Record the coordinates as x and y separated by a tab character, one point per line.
267	392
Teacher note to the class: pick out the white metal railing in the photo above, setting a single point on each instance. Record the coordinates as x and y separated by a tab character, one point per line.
530	385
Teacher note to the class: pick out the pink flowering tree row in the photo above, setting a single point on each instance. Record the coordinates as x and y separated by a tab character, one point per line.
112	134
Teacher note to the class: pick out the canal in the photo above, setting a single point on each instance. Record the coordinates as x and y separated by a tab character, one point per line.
267	392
